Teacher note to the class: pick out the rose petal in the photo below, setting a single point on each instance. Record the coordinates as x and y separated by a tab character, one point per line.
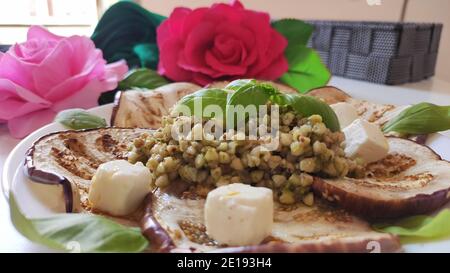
86	56
33	51
13	107
197	43
87	97
275	70
10	89
276	47
55	69
226	69
17	71
192	20
168	62
22	126
236	4
38	32
116	71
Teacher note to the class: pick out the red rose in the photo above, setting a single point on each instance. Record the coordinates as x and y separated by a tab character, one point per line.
223	42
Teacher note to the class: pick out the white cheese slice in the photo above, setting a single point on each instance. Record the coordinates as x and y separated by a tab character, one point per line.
119	187
239	214
365	140
345	113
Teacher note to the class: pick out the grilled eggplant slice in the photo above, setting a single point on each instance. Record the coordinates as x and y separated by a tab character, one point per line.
145	109
175	224
412	179
372	112
70	158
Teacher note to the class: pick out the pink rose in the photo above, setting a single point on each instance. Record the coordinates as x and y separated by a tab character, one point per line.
220	43
49	73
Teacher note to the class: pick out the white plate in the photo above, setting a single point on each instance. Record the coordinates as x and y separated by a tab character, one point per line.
41	201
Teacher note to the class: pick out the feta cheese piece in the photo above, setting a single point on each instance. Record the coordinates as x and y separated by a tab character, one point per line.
119	187
345	113
239	214
365	140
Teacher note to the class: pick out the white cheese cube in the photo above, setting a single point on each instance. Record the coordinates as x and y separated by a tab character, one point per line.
239	214
119	187
345	113
365	140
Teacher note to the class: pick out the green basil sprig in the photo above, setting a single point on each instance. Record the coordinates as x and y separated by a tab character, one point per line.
307	106
251	92
78	232
77	119
419	228
422	118
142	78
211	96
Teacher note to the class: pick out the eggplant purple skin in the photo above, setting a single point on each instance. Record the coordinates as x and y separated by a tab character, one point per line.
372	209
48	178
116	105
151	228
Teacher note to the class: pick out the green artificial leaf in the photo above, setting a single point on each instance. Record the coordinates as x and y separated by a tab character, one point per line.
306	70
422	118
78	232
307	106
207	97
124	30
78	119
127	31
142	78
147	54
295	31
419	228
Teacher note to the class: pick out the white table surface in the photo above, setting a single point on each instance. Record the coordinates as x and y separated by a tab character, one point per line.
434	90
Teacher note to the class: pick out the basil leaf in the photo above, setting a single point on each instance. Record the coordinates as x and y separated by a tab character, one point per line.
252	93
79	119
248	92
307	106
295	31
238	84
142	78
420	227
422	118
78	232
306	70
209	96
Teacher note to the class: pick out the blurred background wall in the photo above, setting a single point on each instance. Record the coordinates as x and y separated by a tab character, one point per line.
68	17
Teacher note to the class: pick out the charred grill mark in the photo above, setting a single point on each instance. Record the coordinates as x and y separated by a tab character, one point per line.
105	143
152	115
78	150
392	165
108	144
399	183
68	161
196	232
377	114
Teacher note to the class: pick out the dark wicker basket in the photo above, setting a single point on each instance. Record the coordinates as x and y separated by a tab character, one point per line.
4	48
380	52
